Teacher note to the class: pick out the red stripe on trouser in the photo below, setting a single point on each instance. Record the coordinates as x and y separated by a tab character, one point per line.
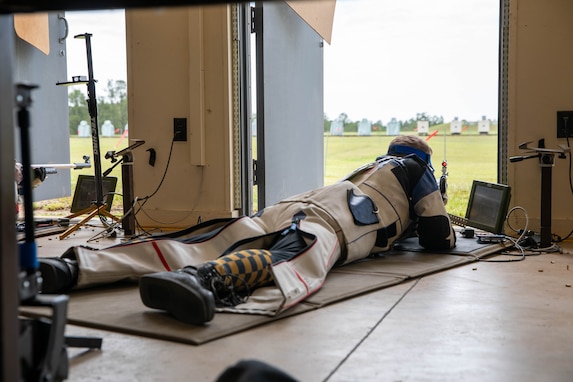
160	255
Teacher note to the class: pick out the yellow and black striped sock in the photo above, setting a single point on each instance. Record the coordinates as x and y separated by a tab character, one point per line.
247	267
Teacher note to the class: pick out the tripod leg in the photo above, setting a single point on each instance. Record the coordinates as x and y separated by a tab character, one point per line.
73	228
82	212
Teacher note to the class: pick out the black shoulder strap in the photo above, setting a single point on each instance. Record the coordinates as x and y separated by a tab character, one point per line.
408	172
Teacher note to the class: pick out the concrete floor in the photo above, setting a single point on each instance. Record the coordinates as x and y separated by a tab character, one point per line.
478	322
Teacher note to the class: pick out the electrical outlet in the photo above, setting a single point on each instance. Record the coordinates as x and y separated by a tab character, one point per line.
180	129
564	124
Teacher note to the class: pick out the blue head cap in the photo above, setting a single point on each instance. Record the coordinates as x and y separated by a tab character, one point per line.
407	150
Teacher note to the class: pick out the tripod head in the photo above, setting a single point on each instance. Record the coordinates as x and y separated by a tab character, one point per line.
112	155
24	94
546	156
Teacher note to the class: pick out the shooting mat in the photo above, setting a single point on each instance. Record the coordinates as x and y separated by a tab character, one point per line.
118	308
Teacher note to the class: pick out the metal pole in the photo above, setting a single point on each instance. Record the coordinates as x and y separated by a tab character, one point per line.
24	100
546	161
92	108
9	287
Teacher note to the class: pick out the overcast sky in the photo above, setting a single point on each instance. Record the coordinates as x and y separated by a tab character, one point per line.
387	58
108	45
397	58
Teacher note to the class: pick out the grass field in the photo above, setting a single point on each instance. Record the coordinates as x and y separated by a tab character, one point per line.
470	156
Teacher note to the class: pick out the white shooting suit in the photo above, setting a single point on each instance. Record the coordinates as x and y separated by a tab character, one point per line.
341	223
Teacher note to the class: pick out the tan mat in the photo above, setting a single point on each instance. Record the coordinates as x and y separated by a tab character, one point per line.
118	308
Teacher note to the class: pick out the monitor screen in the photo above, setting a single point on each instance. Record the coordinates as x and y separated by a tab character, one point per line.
487	206
85	193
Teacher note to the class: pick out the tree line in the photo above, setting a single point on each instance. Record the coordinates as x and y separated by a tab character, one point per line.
111	106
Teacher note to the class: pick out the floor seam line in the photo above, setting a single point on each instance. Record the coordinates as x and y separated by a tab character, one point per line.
372	329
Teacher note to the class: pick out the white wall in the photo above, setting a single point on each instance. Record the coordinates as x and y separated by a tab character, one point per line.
540	84
179	67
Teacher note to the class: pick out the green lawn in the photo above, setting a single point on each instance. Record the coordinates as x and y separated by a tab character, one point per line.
83	146
470	156
78	148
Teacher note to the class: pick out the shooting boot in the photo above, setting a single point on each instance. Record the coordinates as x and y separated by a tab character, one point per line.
181	293
59	275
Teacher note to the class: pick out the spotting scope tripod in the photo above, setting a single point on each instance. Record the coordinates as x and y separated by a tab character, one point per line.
546	159
98	206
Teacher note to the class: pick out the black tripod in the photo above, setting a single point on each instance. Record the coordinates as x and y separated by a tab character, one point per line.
98	207
546	159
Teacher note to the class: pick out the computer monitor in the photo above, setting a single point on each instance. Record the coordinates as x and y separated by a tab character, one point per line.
487	206
85	193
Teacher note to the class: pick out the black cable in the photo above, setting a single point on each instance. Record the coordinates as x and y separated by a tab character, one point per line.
521	253
571	188
570	167
164	172
146	198
189	213
103	218
558	239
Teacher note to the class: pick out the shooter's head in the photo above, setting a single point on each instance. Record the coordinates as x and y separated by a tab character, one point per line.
410	144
